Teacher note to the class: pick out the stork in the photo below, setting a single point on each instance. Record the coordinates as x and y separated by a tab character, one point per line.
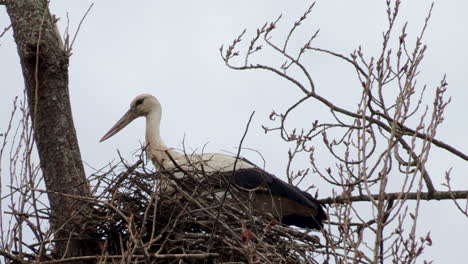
286	202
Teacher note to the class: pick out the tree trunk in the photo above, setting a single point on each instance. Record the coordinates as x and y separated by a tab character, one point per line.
45	68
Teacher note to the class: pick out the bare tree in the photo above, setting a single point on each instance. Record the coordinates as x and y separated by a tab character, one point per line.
380	177
387	138
44	61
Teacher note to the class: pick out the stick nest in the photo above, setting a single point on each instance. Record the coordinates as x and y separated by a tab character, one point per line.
135	220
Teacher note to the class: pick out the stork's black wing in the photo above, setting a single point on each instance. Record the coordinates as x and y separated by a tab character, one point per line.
262	181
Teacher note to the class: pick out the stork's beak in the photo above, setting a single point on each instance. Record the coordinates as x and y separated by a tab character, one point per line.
123	122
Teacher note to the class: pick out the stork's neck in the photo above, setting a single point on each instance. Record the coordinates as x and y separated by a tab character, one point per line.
156	150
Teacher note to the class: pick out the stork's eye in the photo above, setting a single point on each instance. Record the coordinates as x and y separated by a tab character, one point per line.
139	102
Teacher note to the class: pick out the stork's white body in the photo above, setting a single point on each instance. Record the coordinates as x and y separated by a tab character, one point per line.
166	158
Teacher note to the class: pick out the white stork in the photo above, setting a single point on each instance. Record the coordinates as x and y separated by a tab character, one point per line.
286	202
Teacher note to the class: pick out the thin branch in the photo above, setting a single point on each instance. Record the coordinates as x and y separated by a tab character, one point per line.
438	195
358	68
12	257
117	257
268	68
5	30
78	29
230	179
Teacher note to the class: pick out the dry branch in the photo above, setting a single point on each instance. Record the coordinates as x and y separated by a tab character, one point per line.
380	148
449	195
134	220
45	68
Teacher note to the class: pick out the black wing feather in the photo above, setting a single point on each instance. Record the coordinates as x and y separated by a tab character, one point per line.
252	178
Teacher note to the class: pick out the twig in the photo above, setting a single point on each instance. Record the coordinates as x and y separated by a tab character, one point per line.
223	199
5	30
155	256
438	195
36	70
79	27
12	257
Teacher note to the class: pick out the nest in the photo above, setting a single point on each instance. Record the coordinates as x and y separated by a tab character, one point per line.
144	216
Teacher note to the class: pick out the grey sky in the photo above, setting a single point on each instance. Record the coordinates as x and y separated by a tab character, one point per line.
170	49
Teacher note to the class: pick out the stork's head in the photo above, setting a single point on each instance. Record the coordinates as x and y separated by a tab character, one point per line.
142	105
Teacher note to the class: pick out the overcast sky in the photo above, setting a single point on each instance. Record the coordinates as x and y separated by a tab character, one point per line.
170	49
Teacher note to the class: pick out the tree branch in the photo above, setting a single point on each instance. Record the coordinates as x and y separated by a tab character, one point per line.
438	195
45	69
10	256
5	30
155	256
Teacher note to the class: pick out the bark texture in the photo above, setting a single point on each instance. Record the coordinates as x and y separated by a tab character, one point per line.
45	68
